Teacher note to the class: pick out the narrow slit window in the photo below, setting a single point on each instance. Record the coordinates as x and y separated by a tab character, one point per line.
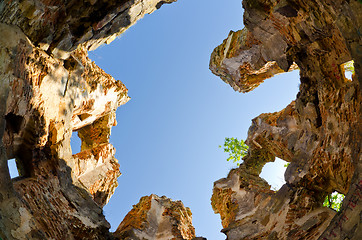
75	143
13	169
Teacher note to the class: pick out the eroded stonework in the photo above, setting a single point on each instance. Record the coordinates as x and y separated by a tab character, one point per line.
319	133
38	113
157	218
60	26
50	88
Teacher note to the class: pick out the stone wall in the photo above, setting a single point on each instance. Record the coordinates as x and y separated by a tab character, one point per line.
319	133
49	88
157	218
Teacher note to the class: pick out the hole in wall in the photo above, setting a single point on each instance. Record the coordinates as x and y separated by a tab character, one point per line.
273	173
334	201
14	122
84	116
348	69
75	143
18	168
13	169
348	75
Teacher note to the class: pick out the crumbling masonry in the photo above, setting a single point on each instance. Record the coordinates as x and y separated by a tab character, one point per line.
49	88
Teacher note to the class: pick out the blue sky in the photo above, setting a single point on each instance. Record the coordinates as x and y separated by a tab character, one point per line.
168	134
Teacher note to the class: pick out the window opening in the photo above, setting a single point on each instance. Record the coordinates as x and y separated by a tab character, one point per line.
273	173
348	69
334	201
13	169
75	143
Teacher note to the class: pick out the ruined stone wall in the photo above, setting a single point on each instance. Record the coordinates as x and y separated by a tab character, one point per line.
44	99
60	26
157	218
49	88
319	133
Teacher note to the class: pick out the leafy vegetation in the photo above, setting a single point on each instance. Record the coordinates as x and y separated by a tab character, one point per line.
334	201
349	66
237	149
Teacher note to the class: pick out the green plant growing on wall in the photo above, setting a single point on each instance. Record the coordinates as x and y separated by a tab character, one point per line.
334	201
349	66
237	149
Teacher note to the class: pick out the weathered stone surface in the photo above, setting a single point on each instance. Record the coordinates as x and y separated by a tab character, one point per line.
319	133
45	100
60	26
244	72
157	218
50	88
95	166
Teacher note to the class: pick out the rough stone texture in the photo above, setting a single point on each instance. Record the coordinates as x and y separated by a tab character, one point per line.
95	166
60	26
49	88
244	72
157	218
40	94
319	133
